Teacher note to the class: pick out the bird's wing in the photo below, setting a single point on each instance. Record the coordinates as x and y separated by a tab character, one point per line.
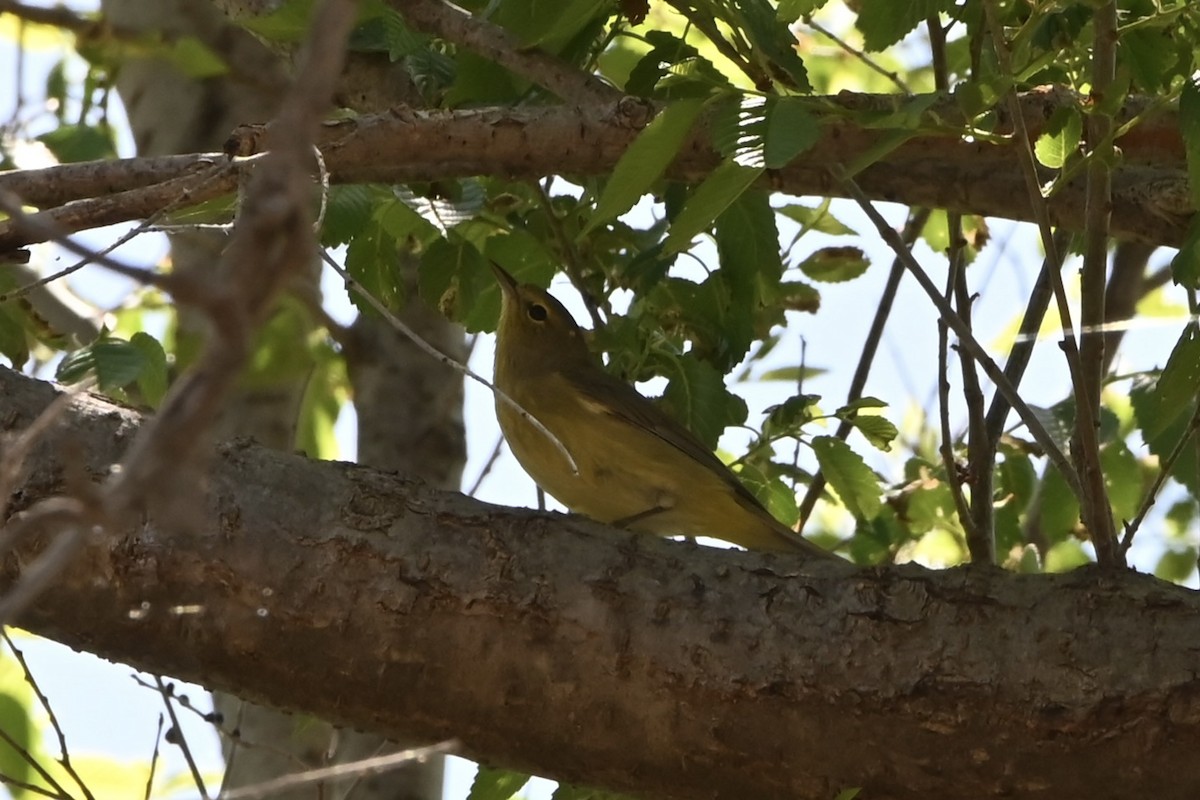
613	396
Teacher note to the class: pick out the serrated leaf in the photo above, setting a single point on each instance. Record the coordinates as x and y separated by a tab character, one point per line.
697	396
718	191
348	212
372	259
645	161
849	476
1060	138
771	42
885	22
1179	383
496	784
770	490
819	219
835	264
115	363
791	129
879	431
1147	408
791	10
153	379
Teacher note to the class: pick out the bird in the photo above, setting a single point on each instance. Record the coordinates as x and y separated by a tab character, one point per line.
603	449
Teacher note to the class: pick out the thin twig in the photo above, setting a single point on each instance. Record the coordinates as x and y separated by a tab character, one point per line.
442	358
1093	283
65	754
154	759
179	738
858	54
966	339
33	762
449	22
1092	494
353	769
487	467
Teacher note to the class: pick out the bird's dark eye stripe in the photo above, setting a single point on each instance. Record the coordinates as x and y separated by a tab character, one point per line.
537	312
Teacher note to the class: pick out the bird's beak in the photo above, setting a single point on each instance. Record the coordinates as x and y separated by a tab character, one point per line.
508	284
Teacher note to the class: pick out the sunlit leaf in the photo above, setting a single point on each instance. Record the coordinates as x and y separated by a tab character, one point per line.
849	476
645	161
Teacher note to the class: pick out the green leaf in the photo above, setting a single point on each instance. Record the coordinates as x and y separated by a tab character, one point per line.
770	490
1066	556
16	700
835	264
1060	138
771	43
1176	566
718	191
575	15
74	143
153	379
1148	408
885	22
372	259
325	393
195	59
288	22
697	397
791	129
879	431
791	10
496	784
1178	384
1189	128
349	211
1185	266
645	161
115	364
1122	479
849	476
819	219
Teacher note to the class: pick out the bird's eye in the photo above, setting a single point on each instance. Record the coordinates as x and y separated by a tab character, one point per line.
537	312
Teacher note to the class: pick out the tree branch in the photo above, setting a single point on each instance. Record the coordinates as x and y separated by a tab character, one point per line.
936	170
550	644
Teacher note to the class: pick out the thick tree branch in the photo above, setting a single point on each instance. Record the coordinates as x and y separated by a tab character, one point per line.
561	647
937	170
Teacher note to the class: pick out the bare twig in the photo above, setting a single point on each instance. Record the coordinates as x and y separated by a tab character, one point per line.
64	752
966	338
154	759
1092	494
176	737
857	53
1093	285
38	768
367	766
487	467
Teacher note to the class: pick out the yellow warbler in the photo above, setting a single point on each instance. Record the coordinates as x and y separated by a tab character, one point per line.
631	465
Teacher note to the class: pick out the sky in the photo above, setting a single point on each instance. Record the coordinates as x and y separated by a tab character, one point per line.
105	710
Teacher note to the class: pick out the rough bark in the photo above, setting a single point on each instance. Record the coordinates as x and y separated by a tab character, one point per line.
653	667
1150	197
